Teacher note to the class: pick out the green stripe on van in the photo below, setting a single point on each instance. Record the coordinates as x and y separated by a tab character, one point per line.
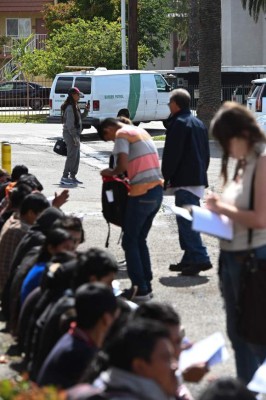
134	94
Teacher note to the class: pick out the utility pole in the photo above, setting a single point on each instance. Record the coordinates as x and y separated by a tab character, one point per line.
123	34
132	34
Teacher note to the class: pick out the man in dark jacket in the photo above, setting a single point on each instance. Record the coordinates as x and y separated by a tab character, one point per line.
184	166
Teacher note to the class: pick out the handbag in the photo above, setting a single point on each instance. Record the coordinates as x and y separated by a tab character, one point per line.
60	147
251	309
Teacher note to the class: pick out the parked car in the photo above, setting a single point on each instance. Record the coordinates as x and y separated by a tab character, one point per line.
22	94
256	102
241	93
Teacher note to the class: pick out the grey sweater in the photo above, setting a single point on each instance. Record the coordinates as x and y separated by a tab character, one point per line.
69	122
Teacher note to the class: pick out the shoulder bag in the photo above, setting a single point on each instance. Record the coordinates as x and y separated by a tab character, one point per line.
251	310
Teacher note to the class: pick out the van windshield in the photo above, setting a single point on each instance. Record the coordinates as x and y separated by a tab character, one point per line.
84	84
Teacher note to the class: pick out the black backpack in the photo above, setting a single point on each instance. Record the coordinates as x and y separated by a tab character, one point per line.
114	201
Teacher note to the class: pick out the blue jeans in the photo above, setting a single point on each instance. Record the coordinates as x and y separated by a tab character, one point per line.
248	356
140	213
190	241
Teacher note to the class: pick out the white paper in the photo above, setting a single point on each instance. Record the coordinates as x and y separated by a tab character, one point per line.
116	287
110	196
182	212
210	350
258	382
206	221
211	223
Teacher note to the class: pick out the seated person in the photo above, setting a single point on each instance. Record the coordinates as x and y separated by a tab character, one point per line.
141	362
96	308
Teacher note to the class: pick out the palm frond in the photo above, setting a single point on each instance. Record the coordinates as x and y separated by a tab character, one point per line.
254	7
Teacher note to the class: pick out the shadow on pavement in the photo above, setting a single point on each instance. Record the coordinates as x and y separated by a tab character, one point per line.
183	281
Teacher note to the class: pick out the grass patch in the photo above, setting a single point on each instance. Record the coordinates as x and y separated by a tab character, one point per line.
159	137
38	119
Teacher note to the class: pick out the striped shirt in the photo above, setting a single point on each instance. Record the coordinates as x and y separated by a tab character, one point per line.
143	171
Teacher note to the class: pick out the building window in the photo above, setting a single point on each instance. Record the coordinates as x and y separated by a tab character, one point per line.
20	27
183	57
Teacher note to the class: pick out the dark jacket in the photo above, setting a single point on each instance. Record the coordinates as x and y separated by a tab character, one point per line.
66	362
186	152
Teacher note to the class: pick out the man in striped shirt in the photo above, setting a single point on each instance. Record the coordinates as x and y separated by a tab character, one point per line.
135	152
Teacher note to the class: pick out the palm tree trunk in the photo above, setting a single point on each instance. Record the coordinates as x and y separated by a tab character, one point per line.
193	37
209	59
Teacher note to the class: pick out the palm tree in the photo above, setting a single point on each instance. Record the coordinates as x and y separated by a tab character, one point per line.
254	7
193	35
209	59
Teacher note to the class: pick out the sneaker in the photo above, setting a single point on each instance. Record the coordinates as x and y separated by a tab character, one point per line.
74	179
130	293
178	267
67	181
122	265
142	298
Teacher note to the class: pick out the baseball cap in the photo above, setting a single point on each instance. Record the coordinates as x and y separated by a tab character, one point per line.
75	90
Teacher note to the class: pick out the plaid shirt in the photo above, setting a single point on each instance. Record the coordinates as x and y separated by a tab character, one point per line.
11	234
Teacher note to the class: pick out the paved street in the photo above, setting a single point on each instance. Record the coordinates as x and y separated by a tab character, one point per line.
197	299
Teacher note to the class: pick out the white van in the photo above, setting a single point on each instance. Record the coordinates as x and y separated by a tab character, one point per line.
145	94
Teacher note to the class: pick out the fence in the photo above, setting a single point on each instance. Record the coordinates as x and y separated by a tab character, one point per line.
235	92
29	101
24	101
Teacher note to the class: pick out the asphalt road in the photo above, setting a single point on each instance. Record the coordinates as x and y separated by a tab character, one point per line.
197	299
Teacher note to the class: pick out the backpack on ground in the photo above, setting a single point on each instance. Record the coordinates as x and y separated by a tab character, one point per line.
114	201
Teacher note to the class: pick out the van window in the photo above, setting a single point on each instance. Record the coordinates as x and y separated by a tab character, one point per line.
162	85
255	91
84	84
63	84
263	93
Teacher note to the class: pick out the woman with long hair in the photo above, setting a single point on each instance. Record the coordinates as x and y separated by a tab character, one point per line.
240	137
72	128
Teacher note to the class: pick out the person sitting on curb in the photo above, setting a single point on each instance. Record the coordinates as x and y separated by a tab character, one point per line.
142	365
96	308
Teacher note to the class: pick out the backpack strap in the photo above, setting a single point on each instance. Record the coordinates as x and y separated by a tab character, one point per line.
108	235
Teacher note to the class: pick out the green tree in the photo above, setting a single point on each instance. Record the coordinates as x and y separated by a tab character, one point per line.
209	59
154	24
86	43
108	9
255	7
56	16
179	19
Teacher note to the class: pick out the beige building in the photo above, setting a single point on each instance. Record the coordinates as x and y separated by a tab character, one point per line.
243	40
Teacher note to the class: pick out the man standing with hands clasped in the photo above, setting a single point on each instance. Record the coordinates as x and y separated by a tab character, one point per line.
184	166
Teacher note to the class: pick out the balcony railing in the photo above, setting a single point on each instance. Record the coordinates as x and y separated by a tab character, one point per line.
36	42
